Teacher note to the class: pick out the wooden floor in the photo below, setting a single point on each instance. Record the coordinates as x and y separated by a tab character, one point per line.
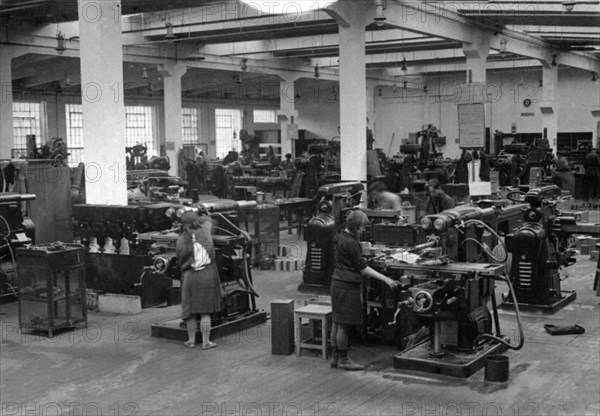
115	367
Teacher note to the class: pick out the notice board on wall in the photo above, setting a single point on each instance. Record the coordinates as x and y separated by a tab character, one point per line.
471	125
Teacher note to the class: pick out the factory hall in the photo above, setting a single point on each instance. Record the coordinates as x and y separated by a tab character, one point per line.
299	208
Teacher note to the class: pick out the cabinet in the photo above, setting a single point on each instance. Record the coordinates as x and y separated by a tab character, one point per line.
51	287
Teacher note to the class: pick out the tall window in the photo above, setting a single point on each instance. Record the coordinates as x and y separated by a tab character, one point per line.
265	116
26	120
139	127
74	117
228	123
190	126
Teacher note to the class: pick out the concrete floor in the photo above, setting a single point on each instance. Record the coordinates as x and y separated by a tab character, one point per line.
114	367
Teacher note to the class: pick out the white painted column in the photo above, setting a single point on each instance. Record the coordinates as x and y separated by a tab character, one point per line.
371	91
476	53
287	113
548	106
101	57
353	91
6	112
172	74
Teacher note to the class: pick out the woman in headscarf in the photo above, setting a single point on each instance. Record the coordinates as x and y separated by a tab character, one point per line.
200	285
346	302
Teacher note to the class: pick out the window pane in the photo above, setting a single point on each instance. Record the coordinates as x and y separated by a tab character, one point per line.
26	120
74	117
228	124
265	116
139	127
190	126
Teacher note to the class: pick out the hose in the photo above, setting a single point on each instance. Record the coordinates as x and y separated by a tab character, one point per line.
521	334
484	248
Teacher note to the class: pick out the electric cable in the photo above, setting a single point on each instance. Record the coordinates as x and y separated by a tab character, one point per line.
521	334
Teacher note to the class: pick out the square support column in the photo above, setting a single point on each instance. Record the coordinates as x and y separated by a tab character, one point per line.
6	102
172	74
287	112
353	91
548	106
101	58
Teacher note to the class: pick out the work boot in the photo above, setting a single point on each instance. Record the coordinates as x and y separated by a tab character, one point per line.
349	365
335	356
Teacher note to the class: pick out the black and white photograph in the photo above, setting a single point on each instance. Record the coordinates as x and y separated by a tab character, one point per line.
299	208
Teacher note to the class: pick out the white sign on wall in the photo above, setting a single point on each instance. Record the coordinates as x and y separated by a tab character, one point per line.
471	125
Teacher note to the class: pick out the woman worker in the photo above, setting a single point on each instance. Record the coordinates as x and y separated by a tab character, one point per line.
347	277
200	291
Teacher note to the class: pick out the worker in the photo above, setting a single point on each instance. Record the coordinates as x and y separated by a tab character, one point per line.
316	164
563	176
200	284
438	200
591	163
288	166
346	302
382	198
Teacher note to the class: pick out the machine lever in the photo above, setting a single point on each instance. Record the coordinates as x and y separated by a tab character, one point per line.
408	302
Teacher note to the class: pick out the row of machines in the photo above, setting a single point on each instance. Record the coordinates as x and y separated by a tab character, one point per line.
448	275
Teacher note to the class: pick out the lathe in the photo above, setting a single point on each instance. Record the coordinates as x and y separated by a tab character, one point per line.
16	230
539	248
334	201
232	245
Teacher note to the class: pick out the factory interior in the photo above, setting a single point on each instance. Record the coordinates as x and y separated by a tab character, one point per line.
343	207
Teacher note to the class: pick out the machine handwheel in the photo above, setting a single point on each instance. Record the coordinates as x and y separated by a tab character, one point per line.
510	196
423	301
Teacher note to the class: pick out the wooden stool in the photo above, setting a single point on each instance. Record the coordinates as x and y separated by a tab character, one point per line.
313	313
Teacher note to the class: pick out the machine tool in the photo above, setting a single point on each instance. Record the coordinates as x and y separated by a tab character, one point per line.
16	230
334	201
443	288
232	245
539	248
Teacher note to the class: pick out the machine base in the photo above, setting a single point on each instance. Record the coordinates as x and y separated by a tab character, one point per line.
568	297
173	330
316	289
453	364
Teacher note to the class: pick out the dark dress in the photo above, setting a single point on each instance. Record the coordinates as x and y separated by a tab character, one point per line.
200	289
346	301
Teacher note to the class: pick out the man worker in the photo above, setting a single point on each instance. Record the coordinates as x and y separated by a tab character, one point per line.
438	200
384	199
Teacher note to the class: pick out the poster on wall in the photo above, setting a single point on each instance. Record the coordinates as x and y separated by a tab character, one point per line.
471	125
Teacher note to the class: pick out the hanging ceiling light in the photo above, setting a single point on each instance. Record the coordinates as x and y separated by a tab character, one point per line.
521	81
244	64
594	77
170	35
60	43
144	73
568	6
553	63
317	71
503	43
404	68
541	83
238	79
380	91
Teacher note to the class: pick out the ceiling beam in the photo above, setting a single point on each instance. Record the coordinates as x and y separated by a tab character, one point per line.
444	23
